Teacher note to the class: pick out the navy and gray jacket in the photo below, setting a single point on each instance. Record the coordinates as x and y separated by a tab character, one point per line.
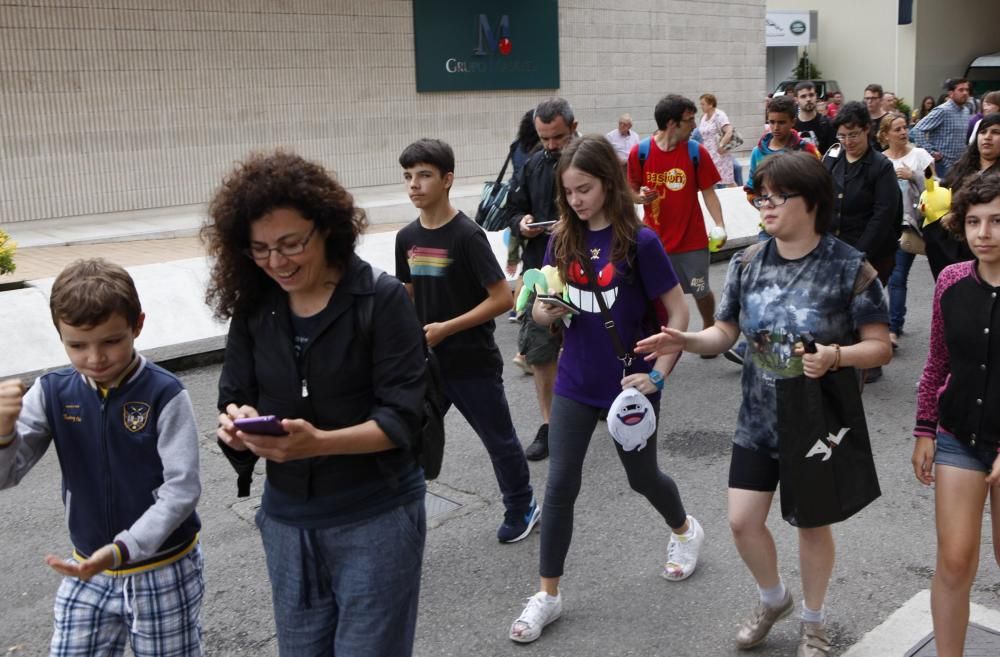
129	461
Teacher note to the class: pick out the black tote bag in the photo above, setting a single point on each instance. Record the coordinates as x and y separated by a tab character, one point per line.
493	213
827	470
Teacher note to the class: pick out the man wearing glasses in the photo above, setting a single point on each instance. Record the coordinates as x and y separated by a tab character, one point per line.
667	179
942	132
874	101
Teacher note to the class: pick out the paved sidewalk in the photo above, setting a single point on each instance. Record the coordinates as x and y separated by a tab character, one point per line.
167	234
167	261
47	261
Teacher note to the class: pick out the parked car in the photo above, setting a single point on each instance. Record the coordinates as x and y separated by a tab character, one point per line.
823	87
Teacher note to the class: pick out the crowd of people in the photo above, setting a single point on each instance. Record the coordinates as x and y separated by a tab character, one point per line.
325	371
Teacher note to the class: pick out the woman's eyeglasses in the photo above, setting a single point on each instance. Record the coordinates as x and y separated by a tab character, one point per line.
774	199
263	252
850	136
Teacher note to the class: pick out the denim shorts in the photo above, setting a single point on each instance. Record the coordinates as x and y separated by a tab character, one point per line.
951	451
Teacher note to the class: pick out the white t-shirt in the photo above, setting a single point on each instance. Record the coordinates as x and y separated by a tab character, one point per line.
917	160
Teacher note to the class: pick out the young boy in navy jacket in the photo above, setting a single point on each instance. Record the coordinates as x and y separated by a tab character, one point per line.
449	269
127	443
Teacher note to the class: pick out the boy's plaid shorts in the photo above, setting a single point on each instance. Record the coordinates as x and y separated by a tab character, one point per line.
158	611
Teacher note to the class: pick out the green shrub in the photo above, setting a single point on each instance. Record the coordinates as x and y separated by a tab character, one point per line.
7	249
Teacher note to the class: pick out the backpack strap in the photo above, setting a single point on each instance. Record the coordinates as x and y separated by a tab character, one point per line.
693	152
750	252
643	154
866	274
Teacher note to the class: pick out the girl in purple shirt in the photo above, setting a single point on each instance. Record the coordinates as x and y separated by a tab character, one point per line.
598	222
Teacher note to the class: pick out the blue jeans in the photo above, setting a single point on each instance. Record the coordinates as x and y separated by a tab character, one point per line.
350	590
483	404
897	291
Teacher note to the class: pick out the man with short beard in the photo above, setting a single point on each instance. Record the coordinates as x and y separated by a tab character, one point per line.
942	132
810	124
533	202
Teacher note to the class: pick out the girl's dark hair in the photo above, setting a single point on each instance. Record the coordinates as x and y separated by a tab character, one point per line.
969	163
527	136
977	191
924	110
798	172
593	155
265	182
853	114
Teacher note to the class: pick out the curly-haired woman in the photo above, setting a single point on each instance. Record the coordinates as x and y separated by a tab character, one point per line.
342	517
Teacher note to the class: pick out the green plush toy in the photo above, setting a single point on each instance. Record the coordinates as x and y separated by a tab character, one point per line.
540	281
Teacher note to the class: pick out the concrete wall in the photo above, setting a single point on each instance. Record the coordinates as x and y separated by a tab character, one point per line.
950	35
117	105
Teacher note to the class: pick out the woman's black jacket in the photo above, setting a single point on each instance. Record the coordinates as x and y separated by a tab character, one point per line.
866	202
350	378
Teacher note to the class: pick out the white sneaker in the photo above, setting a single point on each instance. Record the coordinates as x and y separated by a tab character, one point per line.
682	553
539	612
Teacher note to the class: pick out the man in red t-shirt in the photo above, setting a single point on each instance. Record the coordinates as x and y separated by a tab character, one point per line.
667	184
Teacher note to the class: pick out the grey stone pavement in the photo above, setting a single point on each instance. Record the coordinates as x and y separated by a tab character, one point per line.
615	602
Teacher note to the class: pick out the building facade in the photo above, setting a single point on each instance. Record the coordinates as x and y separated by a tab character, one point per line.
126	105
860	41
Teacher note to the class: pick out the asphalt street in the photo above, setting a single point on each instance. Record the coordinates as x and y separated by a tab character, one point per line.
616	604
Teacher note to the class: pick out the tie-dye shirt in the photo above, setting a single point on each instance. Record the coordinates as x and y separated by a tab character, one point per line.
774	301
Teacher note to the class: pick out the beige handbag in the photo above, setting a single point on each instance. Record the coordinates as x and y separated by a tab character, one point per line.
912	242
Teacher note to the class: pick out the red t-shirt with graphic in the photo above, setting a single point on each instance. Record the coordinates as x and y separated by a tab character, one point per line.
675	213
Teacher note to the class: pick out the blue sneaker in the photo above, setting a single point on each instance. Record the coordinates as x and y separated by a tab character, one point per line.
516	527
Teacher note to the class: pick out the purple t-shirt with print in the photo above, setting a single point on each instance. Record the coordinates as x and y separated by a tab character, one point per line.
589	369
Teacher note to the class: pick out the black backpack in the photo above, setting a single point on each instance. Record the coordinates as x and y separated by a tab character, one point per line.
428	445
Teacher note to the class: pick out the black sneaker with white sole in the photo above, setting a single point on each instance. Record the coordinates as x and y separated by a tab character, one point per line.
539	447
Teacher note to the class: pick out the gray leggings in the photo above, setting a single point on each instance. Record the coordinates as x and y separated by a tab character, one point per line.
571	426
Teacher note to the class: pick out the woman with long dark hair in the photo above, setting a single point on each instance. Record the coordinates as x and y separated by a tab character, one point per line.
599	232
926	105
981	157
